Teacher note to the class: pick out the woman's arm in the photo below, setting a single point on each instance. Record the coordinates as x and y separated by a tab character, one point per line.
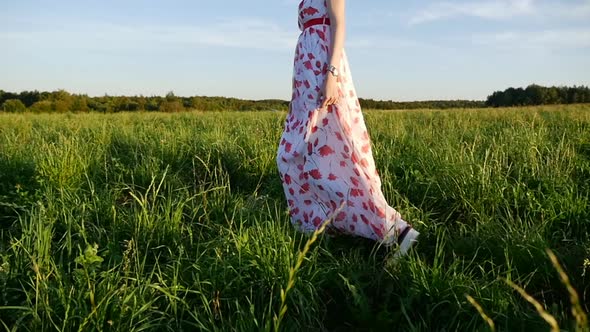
336	13
338	22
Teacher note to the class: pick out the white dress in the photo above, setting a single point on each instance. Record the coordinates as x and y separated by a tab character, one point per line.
324	156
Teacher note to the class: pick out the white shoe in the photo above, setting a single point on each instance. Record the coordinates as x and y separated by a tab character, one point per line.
407	241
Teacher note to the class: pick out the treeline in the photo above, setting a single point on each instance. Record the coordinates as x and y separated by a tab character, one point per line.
430	104
61	101
539	95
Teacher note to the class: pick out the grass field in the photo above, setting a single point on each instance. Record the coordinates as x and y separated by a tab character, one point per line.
177	222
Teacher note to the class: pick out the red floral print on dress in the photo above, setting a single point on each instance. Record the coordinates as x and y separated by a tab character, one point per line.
323	152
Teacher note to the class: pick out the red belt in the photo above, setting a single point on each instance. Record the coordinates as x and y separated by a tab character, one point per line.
316	21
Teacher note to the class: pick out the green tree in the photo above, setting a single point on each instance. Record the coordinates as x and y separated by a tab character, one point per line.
42	106
535	94
80	104
61	101
552	96
13	106
29	97
171	104
141	103
152	105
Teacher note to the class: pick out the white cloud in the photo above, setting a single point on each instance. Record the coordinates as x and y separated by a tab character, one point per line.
550	39
563	10
497	9
390	43
238	33
503	9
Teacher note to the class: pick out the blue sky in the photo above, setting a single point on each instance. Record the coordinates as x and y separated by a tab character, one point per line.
399	50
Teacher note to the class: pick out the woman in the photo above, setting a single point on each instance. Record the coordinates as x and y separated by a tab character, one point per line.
324	157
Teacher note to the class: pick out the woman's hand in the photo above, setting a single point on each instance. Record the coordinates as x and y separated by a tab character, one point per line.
331	92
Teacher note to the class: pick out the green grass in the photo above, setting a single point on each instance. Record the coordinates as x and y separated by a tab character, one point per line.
177	222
